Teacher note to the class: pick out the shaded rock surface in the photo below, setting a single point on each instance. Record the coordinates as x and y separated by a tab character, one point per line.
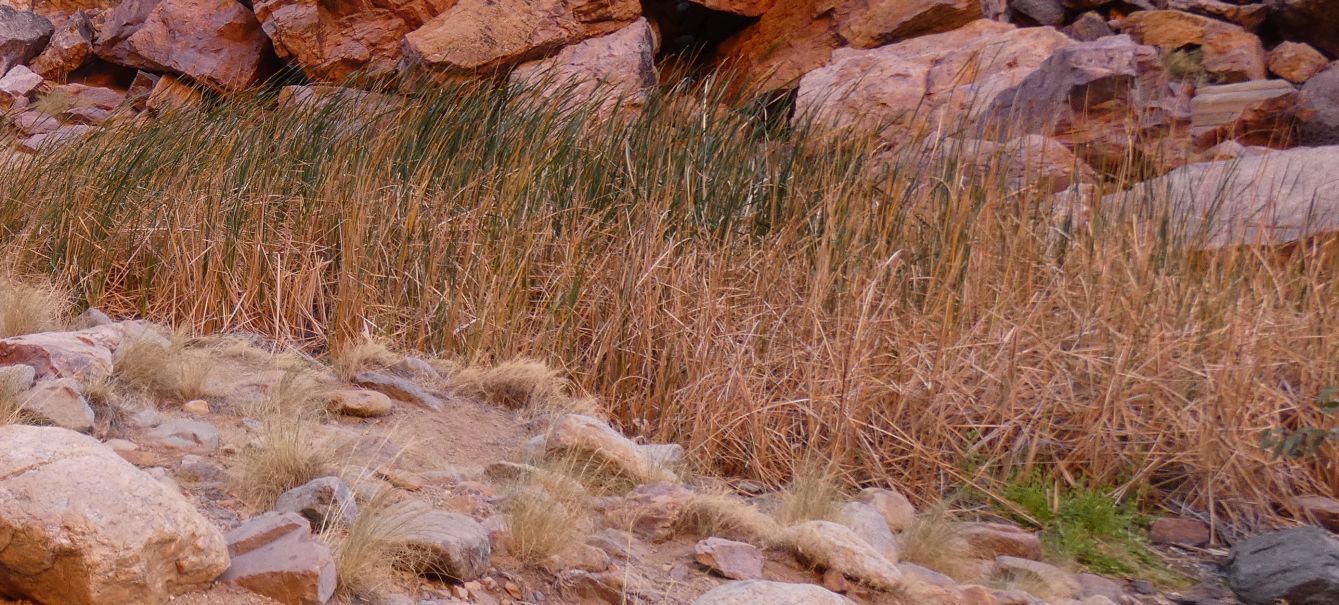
1299	566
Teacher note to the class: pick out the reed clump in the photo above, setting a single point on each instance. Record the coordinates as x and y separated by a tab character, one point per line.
717	279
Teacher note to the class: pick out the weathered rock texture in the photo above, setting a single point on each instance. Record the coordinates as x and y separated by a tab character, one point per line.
218	43
81	526
614	69
332	40
477	36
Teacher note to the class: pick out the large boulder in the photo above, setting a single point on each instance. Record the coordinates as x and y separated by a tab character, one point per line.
69	48
616	69
218	43
448	545
1296	62
1318	109
891	90
479	36
17	88
798	36
59	403
1106	100
1230	53
1298	566
86	354
871	23
274	555
81	526
332	40
1315	22
1248	15
1276	197
749	592
23	35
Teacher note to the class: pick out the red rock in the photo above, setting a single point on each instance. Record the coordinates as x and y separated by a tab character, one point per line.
1179	531
945	77
274	555
169	93
734	560
1249	16
478	36
1315	22
331	41
1322	510
1296	62
23	34
1230	53
69	48
749	8
790	40
83	354
991	540
871	23
218	43
1318	116
54	140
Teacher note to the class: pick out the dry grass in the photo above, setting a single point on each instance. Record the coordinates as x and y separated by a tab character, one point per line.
812	494
737	288
286	453
348	359
11	411
934	542
366	552
522	384
540	525
165	367
28	306
712	514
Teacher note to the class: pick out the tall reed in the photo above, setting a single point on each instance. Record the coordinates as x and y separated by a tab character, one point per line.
757	292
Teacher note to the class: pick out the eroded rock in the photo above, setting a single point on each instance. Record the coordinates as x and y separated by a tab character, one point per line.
1299	566
218	43
275	555
478	36
731	559
85	527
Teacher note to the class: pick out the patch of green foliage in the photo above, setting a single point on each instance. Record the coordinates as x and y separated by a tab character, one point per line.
1304	441
1091	528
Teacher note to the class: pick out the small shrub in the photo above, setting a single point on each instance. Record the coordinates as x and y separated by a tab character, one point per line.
540	525
27	307
521	384
1187	65
285	455
934	542
164	367
351	358
10	411
729	517
366	552
813	493
1087	526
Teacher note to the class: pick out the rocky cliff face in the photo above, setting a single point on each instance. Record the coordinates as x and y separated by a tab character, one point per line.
1107	79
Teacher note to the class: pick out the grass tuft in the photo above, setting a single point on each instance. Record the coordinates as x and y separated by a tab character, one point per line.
164	367
351	358
540	525
366	552
286	453
30	306
812	494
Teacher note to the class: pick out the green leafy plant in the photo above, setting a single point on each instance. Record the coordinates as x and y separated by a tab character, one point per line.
1304	441
1090	527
